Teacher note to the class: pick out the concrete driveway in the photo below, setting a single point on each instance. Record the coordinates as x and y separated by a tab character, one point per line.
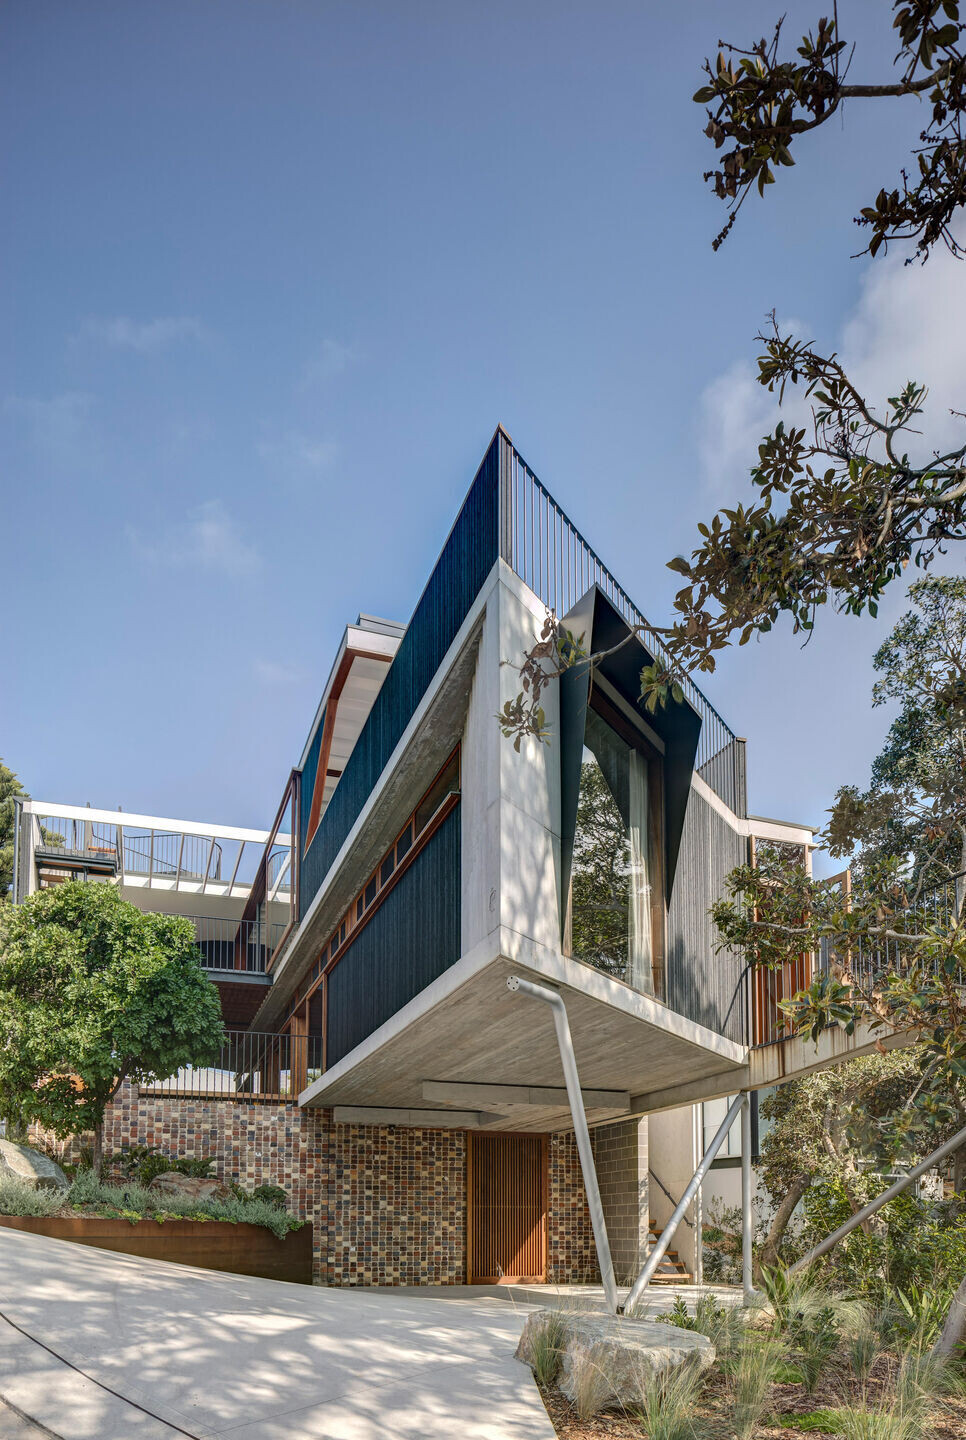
212	1354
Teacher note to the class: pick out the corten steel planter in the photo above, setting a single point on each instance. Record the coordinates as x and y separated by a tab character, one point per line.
212	1244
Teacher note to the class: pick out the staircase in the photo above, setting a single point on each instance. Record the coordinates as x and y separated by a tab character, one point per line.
672	1270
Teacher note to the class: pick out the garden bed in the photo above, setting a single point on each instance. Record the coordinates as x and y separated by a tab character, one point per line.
211	1244
713	1420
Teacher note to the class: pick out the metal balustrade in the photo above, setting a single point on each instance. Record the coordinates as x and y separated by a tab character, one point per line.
232	945
862	961
250	1066
548	552
865	959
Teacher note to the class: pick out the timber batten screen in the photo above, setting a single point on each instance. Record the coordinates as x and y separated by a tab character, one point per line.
506	1185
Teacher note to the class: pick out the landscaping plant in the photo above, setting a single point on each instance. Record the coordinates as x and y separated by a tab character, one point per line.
815	1341
143	1163
93	992
667	1401
754	1370
17	1197
545	1337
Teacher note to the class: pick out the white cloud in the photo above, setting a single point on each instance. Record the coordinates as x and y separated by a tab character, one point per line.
145	337
209	539
294	451
274	673
332	359
909	323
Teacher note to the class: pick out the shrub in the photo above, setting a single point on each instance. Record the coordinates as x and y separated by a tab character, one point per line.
271	1195
19	1198
134	1202
815	1341
917	1245
141	1163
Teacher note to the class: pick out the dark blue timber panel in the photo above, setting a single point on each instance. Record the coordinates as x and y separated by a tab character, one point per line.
704	985
467	558
309	771
411	939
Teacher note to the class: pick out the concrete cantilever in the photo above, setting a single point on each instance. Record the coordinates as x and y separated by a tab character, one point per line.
572	1081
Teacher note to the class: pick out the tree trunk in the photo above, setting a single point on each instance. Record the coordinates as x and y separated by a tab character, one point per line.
954	1330
97	1151
768	1256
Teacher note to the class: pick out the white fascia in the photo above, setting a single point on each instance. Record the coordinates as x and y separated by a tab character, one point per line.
127	820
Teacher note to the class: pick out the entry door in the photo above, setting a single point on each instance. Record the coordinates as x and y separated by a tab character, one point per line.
507	1207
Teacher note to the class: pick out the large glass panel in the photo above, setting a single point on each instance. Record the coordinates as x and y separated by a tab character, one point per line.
611	912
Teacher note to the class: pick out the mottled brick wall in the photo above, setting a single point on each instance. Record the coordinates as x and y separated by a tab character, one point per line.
571	1257
620	1154
387	1203
395	1206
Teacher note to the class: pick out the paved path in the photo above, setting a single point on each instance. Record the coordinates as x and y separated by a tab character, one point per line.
212	1354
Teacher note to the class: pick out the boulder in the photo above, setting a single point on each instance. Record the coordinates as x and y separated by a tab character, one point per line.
174	1186
622	1352
39	1171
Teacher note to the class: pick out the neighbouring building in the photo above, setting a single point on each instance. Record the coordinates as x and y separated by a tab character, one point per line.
376	1064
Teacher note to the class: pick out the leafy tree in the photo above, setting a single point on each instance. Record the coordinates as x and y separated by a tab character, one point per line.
915	806
831	1128
840	507
93	992
9	787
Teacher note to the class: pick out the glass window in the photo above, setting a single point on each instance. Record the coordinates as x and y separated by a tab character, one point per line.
611	890
404	842
370	894
714	1113
445	784
386	869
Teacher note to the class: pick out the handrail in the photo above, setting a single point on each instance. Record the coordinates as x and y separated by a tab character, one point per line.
689	1223
250	1066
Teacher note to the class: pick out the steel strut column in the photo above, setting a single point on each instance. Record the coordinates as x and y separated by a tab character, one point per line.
569	1062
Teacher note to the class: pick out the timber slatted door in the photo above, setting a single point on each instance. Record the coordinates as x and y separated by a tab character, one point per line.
507	1208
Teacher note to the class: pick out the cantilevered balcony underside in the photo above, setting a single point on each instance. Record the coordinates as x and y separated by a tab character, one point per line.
467	1052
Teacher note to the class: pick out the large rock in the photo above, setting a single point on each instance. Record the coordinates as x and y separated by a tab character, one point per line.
621	1352
35	1169
174	1186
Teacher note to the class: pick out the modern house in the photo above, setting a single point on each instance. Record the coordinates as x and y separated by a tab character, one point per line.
377	1064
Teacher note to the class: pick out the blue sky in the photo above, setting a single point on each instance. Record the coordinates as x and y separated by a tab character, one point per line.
270	274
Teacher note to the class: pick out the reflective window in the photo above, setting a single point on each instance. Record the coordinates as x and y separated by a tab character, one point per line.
615	894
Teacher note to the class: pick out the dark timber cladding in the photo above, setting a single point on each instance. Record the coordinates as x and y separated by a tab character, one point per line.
466	559
703	985
411	939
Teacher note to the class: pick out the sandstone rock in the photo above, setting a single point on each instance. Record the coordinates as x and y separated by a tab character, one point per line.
620	1351
171	1185
35	1169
